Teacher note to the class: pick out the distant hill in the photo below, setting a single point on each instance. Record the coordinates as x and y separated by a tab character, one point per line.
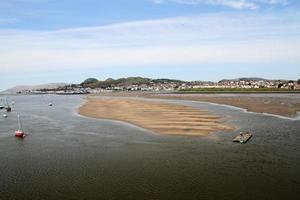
244	79
21	88
123	82
165	80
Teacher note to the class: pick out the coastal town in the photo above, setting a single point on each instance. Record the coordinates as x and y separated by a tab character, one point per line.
94	86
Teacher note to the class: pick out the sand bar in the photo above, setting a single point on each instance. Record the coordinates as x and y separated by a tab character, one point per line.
277	105
159	117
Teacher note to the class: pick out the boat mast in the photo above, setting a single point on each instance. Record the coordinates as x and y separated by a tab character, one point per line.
19	123
7	101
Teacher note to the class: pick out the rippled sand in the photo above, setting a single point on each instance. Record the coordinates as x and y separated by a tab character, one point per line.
159	117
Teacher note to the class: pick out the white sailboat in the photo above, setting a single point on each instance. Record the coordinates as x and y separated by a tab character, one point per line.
8	108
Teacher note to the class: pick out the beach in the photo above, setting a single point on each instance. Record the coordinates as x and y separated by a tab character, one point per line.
159	117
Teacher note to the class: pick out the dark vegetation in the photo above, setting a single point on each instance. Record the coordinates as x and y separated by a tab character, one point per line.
123	82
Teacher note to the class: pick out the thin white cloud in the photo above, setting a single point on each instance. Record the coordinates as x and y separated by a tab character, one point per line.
237	4
12	3
282	2
211	38
8	20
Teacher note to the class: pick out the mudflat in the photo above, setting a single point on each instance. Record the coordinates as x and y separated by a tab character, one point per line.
274	104
159	117
287	107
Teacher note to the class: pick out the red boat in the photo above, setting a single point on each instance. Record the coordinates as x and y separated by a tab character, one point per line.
19	134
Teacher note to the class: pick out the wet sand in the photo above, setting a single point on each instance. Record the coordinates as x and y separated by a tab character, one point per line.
277	106
287	107
162	118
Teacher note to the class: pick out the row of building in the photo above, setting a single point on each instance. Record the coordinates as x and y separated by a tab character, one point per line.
247	84
170	86
176	86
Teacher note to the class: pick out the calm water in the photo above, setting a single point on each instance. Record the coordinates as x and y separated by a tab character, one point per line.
66	156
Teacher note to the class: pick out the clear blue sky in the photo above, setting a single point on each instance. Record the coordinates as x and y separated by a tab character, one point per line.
45	41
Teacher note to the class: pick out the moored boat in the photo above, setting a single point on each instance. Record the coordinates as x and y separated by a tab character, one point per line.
243	137
19	133
8	109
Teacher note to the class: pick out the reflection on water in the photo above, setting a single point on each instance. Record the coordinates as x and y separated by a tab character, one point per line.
66	156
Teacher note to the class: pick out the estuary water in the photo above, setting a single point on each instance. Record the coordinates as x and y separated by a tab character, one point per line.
67	156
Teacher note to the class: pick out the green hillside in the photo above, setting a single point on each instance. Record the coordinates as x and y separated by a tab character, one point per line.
123	82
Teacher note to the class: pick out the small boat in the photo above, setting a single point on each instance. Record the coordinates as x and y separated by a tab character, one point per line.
50	104
8	109
5	115
19	133
2	107
243	137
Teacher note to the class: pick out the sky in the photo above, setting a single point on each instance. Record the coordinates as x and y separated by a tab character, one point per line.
47	41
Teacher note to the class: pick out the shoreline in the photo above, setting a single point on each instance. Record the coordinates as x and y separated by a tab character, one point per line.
158	117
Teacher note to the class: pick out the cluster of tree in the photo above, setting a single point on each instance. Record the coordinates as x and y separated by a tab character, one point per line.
123	82
89	81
